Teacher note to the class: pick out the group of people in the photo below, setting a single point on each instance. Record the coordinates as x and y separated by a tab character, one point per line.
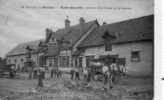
112	73
79	73
75	74
12	72
39	72
55	73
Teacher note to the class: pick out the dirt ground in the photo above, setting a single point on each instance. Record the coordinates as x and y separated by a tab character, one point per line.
65	89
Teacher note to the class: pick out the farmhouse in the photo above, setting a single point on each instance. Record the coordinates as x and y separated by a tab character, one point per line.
74	46
131	40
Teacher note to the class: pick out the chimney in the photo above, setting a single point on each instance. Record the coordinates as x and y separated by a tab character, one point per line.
48	32
67	23
81	20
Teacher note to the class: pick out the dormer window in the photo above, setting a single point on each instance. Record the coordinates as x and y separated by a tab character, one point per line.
106	35
53	40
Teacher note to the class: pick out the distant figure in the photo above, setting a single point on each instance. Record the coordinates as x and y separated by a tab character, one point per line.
105	71
55	72
122	69
114	72
72	74
92	73
42	72
52	72
85	73
89	76
35	75
77	74
12	72
58	73
40	79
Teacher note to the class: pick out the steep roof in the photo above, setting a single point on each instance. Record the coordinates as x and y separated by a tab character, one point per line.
129	30
74	33
70	36
21	48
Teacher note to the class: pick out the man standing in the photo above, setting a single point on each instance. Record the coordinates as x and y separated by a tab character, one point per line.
85	73
12	71
77	76
114	72
40	78
105	71
122	69
89	76
52	72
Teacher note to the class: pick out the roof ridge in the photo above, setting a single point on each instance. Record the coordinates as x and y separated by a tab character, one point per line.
76	25
30	41
131	19
22	45
141	25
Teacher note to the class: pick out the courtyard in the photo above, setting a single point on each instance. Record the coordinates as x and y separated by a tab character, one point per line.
22	88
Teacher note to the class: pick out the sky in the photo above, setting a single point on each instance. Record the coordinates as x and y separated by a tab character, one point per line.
26	20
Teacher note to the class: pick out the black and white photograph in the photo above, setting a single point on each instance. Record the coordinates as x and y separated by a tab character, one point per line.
77	49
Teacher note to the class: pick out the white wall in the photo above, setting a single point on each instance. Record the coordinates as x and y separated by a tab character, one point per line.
95	51
18	58
144	67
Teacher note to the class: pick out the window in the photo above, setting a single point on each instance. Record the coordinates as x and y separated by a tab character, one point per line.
42	61
80	61
56	61
54	41
64	61
135	56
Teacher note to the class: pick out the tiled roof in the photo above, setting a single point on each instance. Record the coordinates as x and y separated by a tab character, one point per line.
130	30
74	33
21	48
70	36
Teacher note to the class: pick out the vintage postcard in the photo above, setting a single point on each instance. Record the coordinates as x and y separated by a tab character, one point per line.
77	49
